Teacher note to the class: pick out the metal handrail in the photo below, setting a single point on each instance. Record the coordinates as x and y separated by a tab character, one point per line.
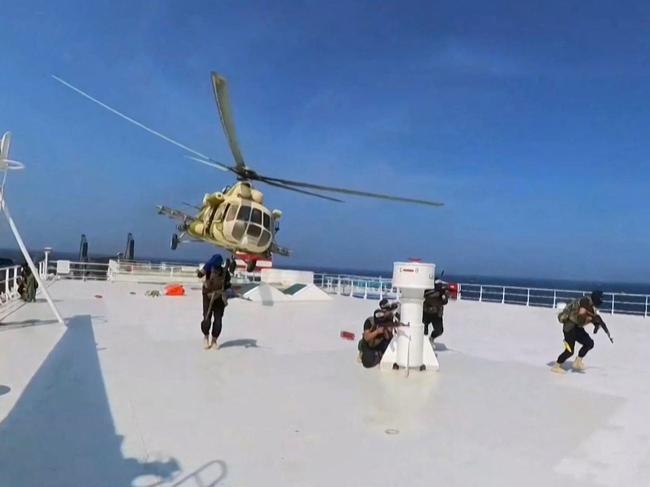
9	283
85	271
371	287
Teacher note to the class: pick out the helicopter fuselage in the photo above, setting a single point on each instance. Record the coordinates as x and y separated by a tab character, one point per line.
234	219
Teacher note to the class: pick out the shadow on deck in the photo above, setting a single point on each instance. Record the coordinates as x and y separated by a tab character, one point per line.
61	431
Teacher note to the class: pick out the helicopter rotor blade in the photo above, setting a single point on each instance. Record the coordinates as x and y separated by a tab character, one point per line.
278	185
196	207
212	163
220	90
350	191
129	119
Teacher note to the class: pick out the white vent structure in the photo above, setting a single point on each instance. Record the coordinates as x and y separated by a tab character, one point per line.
409	348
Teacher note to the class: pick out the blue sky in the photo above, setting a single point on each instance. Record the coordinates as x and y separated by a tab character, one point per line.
529	120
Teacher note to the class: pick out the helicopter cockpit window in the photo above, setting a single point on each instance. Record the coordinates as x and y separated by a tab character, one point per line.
231	212
264	239
238	230
267	221
256	216
244	213
254	231
218	216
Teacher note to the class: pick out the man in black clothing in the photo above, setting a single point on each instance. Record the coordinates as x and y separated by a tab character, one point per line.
377	334
574	317
433	309
217	281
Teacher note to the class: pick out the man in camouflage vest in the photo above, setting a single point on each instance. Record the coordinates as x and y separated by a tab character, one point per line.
377	334
217	281
574	317
433	309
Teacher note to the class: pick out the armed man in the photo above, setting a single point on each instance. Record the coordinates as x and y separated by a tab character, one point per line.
215	285
377	333
574	317
433	308
28	285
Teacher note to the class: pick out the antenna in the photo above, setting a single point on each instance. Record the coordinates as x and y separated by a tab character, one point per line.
7	165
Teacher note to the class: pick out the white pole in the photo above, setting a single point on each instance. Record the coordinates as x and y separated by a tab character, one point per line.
408	356
30	263
46	261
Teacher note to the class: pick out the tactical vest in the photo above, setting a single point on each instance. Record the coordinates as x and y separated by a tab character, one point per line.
433	305
569	315
377	340
215	283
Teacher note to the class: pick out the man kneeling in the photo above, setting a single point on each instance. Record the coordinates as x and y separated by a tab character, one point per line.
377	334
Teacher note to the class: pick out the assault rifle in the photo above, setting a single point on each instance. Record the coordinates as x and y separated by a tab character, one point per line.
599	323
385	318
390	324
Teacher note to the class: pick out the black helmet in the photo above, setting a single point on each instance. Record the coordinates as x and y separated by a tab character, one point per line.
383	304
597	297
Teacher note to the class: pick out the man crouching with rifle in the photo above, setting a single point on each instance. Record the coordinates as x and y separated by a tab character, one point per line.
377	333
574	317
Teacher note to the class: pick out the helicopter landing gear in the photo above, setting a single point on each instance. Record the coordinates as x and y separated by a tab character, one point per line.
174	242
250	266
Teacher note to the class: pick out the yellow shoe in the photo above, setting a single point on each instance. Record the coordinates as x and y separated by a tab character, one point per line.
557	368
578	365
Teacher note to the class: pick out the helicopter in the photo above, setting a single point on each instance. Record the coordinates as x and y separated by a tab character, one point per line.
235	218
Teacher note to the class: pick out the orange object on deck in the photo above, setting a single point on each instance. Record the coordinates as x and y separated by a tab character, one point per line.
347	335
175	290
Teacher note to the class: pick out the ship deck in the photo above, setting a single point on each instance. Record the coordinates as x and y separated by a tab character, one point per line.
123	394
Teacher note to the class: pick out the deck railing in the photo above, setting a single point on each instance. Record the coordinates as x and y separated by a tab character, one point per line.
368	287
84	271
9	283
136	271
365	287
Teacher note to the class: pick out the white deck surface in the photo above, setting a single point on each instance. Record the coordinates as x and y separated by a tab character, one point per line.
125	395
